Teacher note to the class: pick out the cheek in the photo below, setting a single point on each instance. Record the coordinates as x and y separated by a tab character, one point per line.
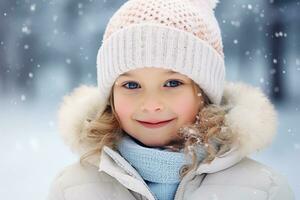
123	107
186	107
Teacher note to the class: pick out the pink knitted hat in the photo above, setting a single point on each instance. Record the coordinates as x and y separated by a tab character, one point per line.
179	35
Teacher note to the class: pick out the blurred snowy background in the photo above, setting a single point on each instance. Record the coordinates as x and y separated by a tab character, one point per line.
49	47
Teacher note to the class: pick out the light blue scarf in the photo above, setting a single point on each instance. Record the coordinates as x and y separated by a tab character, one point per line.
158	167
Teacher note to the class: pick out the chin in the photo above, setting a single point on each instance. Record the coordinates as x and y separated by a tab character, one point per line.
155	142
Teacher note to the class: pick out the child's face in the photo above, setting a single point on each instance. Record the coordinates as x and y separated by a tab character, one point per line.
154	95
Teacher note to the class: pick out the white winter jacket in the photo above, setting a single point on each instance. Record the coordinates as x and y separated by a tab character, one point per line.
231	176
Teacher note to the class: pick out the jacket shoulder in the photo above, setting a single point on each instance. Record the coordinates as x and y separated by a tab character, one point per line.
77	179
252	176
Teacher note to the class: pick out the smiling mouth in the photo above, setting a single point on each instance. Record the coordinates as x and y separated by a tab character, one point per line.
155	125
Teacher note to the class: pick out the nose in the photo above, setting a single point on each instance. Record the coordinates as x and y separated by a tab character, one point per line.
152	104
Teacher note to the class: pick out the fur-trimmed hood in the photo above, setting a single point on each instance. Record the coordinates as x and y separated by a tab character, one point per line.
252	116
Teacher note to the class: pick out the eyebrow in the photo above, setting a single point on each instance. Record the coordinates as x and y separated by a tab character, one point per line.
167	72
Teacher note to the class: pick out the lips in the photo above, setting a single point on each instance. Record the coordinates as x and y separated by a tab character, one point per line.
155	124
155	121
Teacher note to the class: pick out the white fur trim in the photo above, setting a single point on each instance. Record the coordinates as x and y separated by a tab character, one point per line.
252	116
83	103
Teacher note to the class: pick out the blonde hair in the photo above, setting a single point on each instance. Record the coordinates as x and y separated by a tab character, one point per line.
209	130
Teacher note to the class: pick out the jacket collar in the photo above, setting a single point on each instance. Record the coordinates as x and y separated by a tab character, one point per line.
112	160
115	165
252	116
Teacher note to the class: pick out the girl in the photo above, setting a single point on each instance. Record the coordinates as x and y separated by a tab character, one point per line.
163	124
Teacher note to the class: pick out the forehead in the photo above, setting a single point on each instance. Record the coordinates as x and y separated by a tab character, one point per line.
165	72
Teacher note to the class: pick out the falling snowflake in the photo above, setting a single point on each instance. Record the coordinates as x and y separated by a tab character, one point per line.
280	34
30	75
261	80
26	46
258	52
80	6
235	23
274	61
23	97
54	18
26	30
68	61
297	62
32	7
235	41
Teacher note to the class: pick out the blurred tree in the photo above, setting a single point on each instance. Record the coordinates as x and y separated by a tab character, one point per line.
278	27
4	34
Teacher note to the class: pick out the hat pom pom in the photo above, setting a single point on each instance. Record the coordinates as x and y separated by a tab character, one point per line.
213	3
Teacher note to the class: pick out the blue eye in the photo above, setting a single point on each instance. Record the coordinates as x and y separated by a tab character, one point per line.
134	85
130	84
174	83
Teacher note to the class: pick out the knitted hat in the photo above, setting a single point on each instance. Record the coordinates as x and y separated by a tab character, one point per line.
179	35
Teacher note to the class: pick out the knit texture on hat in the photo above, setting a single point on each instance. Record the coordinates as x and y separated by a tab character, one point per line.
179	35
193	16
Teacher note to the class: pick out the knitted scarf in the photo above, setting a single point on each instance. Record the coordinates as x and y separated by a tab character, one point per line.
158	167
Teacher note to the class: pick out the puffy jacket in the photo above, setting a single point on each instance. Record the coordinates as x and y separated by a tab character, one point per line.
231	176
